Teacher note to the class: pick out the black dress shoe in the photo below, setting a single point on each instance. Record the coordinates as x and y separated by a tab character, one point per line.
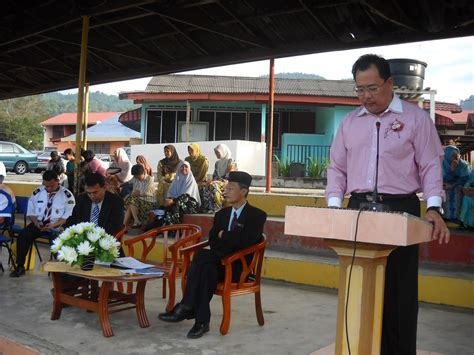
19	271
179	313
198	330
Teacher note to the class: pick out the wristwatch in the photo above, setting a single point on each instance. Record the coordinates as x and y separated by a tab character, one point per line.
437	209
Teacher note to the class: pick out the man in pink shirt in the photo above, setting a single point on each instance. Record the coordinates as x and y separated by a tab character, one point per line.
410	156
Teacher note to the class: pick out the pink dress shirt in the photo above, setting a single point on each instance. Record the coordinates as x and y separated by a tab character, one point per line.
410	154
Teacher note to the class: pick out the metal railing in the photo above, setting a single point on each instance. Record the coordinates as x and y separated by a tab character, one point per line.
299	153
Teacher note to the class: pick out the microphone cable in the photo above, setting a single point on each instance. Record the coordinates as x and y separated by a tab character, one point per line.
349	281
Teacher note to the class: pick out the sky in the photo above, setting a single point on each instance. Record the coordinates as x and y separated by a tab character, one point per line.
450	69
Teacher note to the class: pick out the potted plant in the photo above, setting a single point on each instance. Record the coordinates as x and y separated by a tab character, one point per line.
83	243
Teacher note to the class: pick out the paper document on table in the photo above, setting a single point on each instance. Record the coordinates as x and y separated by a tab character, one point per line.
149	271
130	263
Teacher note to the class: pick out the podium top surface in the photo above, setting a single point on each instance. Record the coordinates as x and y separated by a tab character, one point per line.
387	228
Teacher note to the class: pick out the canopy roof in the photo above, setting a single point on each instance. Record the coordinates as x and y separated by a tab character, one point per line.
40	40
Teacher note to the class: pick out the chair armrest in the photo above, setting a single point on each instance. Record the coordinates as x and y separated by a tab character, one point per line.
175	246
241	253
195	247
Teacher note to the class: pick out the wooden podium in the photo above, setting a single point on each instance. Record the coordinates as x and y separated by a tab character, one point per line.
378	233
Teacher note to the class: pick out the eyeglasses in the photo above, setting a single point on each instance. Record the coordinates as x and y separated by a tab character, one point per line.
371	89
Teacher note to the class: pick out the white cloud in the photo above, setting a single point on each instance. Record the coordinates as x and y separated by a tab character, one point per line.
450	68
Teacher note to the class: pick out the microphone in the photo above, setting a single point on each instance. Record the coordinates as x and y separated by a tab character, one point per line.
374	205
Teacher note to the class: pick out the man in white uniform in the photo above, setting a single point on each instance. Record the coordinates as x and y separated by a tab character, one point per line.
48	208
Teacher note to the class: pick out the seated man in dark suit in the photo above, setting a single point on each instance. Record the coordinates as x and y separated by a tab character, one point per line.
98	206
234	228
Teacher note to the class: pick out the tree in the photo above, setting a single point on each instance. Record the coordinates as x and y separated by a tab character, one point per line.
20	121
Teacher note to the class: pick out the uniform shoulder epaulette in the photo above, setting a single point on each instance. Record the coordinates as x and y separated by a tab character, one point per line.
36	191
67	193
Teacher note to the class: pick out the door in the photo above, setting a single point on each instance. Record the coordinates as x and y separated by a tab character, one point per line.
7	155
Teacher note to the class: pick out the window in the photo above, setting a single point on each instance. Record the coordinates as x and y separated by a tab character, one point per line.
58	131
161	125
239	125
225	125
222	126
99	148
7	148
255	126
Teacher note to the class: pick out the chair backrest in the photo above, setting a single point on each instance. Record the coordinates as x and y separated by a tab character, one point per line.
22	206
7	209
182	233
7	206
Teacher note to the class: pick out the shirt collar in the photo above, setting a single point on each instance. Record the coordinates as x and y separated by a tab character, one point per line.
239	210
395	106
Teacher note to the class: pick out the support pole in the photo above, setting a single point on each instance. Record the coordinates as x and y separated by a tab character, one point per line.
80	99
86	116
188	119
271	100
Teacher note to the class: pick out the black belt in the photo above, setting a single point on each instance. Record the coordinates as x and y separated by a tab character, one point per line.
368	196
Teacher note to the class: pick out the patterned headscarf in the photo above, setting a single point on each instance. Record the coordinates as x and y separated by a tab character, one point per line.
169	165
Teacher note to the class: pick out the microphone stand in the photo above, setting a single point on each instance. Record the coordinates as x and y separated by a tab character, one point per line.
375	206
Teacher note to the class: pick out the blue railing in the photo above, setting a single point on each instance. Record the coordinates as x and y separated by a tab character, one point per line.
299	153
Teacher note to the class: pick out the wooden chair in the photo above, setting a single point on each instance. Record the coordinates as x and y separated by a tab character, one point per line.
185	235
249	281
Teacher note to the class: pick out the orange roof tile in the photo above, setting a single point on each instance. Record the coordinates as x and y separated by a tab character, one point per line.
458	118
69	118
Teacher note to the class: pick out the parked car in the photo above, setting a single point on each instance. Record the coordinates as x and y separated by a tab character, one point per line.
43	160
16	158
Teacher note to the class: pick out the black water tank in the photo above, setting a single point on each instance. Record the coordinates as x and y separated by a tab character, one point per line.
408	73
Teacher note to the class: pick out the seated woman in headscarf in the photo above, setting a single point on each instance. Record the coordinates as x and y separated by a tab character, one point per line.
212	195
182	198
455	175
143	162
94	165
198	162
121	170
224	163
166	172
141	199
467	210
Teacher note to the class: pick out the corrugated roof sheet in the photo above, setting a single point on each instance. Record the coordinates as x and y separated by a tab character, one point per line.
247	85
111	129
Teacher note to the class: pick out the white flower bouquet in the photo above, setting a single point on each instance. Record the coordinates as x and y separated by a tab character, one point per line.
85	240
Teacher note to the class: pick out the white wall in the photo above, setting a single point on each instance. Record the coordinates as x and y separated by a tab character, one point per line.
48	134
250	156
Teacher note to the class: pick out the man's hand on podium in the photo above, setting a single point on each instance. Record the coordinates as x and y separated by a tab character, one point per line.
440	231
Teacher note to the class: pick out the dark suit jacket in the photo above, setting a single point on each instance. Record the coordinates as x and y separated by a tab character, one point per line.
111	213
248	231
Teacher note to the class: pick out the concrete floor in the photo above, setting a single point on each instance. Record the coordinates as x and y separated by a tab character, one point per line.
299	320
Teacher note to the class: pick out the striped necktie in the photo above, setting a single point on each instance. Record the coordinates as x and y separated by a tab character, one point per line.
49	208
95	214
233	224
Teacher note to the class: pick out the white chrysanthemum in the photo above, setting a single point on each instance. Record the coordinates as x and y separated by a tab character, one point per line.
100	230
85	248
114	251
107	242
67	254
78	228
57	243
93	236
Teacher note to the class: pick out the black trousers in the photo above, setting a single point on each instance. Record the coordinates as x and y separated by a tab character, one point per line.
24	242
204	273
400	311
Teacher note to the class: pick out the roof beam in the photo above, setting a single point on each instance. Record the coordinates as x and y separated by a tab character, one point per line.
236	18
23	64
218	31
405	23
104	48
318	21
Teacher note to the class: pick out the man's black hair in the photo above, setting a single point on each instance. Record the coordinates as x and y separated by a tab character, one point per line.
137	170
94	179
88	155
49	175
364	62
68	151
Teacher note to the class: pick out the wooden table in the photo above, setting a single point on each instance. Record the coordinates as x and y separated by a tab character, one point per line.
103	299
